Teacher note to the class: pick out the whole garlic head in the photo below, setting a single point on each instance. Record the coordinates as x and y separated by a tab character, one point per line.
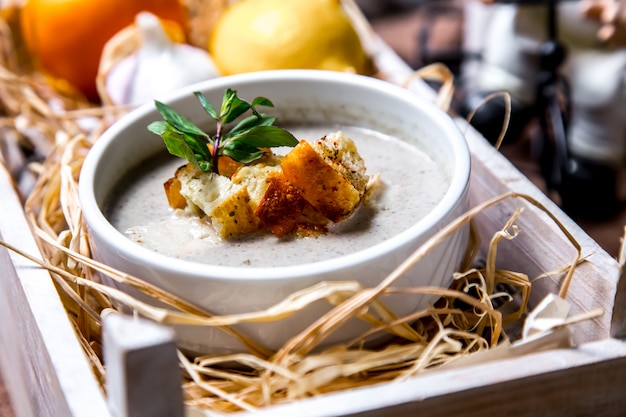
157	67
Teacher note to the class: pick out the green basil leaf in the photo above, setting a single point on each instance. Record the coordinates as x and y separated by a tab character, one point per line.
244	156
181	144
264	137
158	127
262	101
248	123
227	101
244	142
236	109
208	107
177	146
198	146
232	106
178	121
205	166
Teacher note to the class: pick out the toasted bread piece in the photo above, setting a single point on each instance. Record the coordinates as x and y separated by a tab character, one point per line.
340	152
281	206
274	200
330	174
173	185
234	216
226	204
253	177
312	184
172	191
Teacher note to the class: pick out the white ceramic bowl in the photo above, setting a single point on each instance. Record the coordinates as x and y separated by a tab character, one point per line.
319	96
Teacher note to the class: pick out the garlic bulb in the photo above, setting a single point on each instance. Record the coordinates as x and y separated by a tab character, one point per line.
157	67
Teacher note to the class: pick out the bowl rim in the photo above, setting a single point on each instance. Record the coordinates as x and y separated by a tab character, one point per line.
97	222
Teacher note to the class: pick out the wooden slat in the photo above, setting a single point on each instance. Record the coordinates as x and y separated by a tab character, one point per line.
541	247
43	365
589	381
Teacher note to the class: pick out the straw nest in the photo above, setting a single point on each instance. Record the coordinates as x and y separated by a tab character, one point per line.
46	134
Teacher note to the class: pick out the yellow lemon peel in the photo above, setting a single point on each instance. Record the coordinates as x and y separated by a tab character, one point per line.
257	35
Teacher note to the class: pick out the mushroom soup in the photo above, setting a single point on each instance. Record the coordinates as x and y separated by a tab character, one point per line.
411	185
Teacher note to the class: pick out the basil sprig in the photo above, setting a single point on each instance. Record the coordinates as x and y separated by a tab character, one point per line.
245	142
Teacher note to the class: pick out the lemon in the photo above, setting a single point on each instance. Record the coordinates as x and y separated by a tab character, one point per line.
257	35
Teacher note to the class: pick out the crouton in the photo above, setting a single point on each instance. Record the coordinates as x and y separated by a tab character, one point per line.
281	205
254	176
172	191
225	203
330	174
340	152
303	190
173	185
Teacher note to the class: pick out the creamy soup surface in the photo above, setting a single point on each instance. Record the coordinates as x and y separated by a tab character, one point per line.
412	185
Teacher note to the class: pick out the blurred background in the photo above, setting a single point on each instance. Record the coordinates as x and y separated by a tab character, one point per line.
453	32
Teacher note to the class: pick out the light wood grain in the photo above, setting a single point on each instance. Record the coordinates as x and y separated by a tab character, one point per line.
588	381
46	371
540	246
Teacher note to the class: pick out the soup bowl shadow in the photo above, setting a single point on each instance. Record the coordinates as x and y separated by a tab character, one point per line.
299	96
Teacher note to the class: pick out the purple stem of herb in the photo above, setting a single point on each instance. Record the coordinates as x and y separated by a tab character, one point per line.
216	147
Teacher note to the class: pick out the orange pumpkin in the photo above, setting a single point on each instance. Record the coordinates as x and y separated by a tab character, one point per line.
66	37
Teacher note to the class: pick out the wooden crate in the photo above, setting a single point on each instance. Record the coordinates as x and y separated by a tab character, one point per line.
47	374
